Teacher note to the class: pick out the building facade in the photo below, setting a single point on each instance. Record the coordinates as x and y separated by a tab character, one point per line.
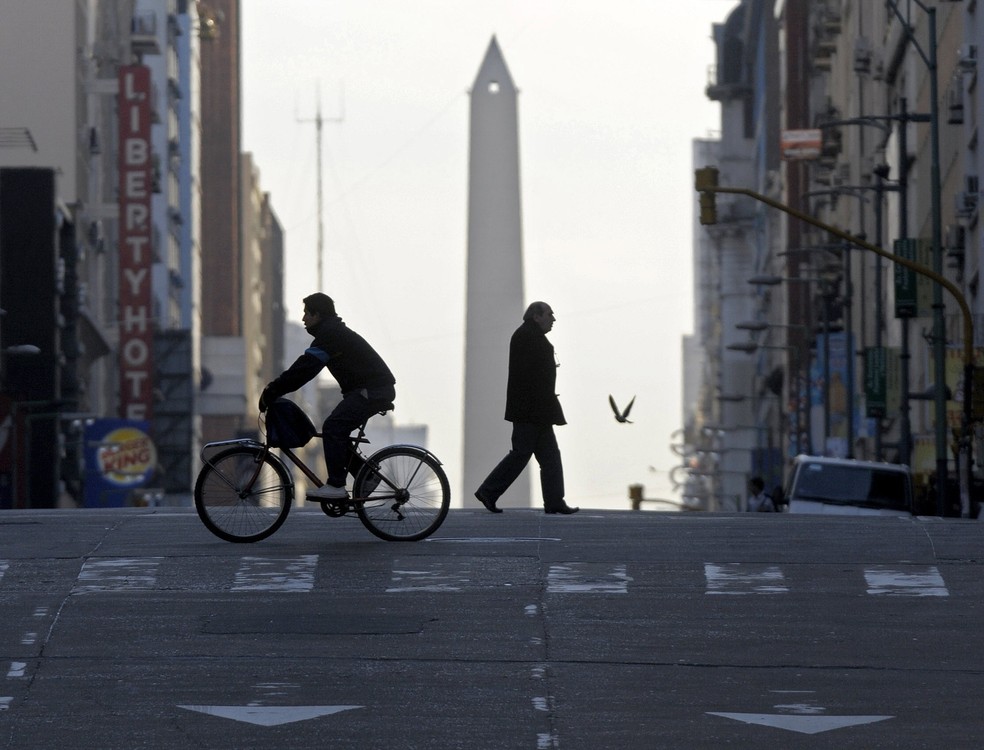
864	117
128	114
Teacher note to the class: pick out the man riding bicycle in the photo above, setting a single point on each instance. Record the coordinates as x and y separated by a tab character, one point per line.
366	382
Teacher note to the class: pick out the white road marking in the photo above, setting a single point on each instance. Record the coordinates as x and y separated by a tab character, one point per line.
886	581
801	724
4	566
287	574
17	669
587	578
439	576
491	539
118	574
269	716
737	579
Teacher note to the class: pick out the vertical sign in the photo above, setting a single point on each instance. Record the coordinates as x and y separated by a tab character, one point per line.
136	174
913	291
875	387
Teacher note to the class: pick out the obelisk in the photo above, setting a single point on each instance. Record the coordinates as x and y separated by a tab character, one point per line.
495	297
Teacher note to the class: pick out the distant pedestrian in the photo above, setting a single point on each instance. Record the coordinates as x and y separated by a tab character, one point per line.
533	408
758	500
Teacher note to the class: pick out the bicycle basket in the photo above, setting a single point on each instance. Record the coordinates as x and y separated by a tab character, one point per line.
287	426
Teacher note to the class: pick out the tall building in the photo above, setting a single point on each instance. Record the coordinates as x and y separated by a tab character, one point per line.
853	115
223	403
495	272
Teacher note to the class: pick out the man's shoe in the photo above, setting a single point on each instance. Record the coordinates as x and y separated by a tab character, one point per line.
326	492
489	504
564	510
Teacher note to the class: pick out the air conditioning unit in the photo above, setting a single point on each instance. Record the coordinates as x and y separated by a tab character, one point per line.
965	204
862	55
955	238
955	102
95	148
96	235
967	56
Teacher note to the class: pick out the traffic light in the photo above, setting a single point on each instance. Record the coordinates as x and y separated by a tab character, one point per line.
705	178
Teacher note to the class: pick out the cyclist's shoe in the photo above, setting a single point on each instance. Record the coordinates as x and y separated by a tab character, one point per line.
326	492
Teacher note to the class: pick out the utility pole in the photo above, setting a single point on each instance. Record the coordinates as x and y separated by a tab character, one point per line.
318	122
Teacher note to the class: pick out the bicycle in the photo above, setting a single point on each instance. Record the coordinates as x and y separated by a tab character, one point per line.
244	490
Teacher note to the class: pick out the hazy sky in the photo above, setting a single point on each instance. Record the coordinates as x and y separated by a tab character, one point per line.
611	96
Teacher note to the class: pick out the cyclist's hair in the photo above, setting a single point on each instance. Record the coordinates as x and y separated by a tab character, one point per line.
321	304
535	308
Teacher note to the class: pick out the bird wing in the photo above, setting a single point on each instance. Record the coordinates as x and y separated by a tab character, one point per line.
628	408
612	402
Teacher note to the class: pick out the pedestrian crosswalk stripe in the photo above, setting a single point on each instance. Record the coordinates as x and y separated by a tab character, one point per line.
587	578
287	574
887	581
118	574
435	576
737	579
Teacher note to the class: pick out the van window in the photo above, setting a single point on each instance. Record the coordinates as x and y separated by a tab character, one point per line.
849	485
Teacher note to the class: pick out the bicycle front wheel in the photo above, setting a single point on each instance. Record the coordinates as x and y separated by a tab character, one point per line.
402	493
242	495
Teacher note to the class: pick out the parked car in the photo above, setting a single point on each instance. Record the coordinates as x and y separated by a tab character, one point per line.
818	484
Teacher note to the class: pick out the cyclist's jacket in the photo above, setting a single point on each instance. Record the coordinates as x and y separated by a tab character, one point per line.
350	359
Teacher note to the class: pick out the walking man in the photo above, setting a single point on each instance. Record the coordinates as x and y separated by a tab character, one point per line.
533	408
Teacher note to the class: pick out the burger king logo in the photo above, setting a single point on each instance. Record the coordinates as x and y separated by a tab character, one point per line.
126	456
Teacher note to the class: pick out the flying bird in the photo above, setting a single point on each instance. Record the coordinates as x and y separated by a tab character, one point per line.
621	416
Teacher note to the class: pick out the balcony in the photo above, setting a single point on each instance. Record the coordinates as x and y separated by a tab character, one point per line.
143	34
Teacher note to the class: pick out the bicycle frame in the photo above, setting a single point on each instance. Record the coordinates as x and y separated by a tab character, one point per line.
356	457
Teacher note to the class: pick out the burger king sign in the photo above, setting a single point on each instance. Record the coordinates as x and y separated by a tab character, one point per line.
120	457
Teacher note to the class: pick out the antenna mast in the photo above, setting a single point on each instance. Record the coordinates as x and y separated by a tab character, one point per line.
318	122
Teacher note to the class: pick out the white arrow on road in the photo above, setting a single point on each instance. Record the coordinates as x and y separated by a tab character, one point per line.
269	716
802	724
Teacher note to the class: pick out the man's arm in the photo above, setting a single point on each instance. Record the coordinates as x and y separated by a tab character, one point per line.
305	368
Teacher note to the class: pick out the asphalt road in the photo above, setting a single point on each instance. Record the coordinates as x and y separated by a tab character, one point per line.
138	629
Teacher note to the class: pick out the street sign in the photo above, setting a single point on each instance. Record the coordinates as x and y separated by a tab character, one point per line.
801	145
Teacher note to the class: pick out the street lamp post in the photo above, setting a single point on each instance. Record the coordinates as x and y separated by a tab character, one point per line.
939	330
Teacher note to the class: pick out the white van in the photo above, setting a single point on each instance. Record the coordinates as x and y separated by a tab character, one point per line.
841	486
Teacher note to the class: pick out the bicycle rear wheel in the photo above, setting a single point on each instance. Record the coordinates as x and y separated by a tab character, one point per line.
402	493
243	495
